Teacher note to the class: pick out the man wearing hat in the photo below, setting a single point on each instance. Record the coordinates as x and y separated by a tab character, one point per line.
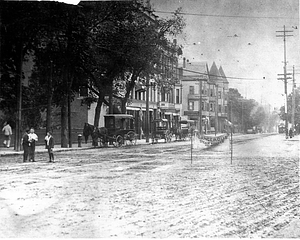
49	141
25	144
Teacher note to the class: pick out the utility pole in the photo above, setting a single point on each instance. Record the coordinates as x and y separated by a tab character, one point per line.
147	109
200	107
216	110
285	75
293	100
243	129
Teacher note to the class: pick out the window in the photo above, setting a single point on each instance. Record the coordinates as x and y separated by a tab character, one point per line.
177	96
191	105
163	95
220	95
203	106
220	108
211	108
192	90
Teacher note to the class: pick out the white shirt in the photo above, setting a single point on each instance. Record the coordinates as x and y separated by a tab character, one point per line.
32	137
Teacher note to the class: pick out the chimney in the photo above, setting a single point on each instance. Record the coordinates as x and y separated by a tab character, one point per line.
183	62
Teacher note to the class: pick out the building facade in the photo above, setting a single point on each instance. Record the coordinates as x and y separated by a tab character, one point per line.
204	95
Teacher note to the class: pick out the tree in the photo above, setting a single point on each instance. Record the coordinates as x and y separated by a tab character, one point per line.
246	113
21	27
129	46
289	105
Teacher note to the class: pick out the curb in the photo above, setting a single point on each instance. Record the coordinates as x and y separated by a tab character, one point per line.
43	150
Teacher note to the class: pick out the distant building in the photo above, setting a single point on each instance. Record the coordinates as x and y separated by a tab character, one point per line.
213	97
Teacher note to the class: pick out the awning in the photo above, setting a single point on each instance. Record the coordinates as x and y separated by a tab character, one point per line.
168	113
133	108
138	109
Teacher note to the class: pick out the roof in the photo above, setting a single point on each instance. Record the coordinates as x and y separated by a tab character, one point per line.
214	74
221	71
194	70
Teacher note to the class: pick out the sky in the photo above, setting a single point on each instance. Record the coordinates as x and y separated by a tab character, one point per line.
240	36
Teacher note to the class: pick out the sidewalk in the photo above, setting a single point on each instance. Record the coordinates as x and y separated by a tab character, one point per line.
57	148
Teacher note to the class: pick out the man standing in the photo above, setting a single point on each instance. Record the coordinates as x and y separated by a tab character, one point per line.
25	144
49	140
32	138
7	134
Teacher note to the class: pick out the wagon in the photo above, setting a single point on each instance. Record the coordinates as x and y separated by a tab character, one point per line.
184	129
118	130
161	130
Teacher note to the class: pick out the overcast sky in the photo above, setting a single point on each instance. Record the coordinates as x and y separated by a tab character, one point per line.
240	35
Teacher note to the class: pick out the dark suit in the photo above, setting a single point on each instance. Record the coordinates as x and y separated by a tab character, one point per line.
50	146
25	145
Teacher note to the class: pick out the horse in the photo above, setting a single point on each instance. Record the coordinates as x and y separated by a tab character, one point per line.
103	135
88	130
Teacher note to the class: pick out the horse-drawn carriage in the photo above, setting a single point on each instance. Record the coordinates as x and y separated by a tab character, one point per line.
118	131
184	129
161	130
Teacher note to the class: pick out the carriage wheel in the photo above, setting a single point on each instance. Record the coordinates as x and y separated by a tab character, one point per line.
131	138
119	141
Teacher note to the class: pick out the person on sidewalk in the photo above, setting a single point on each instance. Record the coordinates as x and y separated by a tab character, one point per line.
291	133
49	141
25	144
32	138
7	134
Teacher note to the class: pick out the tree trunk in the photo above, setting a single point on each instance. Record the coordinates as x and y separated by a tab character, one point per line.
123	105
97	112
49	102
49	113
64	122
69	120
111	110
17	142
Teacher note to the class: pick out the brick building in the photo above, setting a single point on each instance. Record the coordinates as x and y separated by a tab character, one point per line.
213	96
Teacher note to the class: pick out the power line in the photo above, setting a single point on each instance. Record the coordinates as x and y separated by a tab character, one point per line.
225	16
212	75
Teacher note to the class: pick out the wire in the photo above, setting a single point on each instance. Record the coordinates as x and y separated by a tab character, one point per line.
226	16
212	75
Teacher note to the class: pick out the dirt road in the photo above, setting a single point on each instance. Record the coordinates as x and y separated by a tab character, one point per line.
154	191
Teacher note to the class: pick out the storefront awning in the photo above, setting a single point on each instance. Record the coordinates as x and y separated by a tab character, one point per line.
138	109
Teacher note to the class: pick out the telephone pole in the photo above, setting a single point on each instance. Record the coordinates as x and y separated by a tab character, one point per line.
200	107
293	100
285	75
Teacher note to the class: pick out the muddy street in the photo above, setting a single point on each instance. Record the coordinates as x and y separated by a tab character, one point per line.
154	191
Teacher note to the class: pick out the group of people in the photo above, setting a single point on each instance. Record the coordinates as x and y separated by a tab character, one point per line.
29	140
